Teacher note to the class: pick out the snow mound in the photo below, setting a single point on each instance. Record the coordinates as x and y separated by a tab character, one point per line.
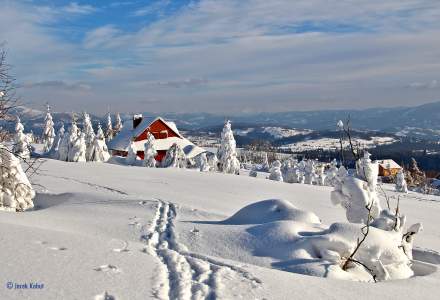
270	211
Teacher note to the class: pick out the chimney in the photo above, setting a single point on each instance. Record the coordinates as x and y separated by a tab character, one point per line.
137	119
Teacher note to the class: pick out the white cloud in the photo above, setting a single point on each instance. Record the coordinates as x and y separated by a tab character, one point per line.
75	8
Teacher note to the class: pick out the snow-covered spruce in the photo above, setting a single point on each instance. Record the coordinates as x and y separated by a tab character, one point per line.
265	167
229	162
109	129
401	182
99	151
89	136
48	132
203	162
131	154
65	150
175	158
53	153
118	125
150	152
16	192
309	172
275	171
21	146
78	151
331	174
213	162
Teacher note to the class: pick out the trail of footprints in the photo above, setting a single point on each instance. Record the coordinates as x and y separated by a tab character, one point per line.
184	275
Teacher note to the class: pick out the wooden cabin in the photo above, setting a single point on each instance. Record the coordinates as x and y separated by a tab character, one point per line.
388	167
165	133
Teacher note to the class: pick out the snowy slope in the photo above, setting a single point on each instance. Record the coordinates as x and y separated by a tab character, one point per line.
141	233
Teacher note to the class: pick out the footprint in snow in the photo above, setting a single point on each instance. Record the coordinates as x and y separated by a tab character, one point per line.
41	242
107	268
124	247
57	248
104	296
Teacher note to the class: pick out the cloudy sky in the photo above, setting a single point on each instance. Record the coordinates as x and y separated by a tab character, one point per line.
224	56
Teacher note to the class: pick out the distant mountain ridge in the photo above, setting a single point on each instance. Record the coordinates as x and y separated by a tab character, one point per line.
423	119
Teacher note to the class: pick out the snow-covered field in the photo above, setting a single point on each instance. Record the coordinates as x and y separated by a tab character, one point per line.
333	144
140	233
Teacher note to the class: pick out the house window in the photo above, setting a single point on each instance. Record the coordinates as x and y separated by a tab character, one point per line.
163	134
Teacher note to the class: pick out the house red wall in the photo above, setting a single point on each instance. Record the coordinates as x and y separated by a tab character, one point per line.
157	129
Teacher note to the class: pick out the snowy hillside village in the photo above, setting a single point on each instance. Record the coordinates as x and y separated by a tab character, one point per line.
133	209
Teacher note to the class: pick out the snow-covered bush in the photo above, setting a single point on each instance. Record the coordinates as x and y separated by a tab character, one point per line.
66	145
21	146
389	257
275	171
150	152
131	154
48	131
227	152
175	158
89	136
109	128
355	193
401	182
16	192
253	172
99	151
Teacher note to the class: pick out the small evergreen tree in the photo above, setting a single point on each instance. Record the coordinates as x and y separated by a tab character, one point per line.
175	158
99	149
118	125
16	192
275	171
227	152
150	152
89	136
132	153
21	146
109	129
48	131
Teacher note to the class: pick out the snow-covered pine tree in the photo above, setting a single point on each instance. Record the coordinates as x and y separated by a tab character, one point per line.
99	149
265	165
89	136
48	131
150	152
71	137
21	146
227	152
309	172
401	182
275	171
203	163
213	163
109	128
131	154
175	158
16	192
320	175
78	151
118	125
53	153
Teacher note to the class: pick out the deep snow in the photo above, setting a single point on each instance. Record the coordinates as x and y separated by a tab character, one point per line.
138	233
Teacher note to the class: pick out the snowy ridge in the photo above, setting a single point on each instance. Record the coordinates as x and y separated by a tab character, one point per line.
184	275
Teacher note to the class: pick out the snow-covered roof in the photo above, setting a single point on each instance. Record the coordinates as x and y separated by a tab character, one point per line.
389	164
123	138
127	134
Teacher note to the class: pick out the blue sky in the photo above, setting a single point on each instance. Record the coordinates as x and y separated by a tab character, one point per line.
226	57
